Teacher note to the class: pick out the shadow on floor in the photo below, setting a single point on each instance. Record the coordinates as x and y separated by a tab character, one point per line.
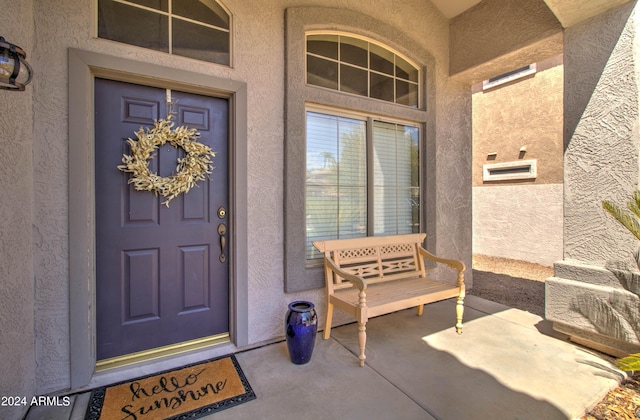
526	295
501	367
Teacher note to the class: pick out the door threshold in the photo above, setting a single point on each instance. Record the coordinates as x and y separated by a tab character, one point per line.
156	353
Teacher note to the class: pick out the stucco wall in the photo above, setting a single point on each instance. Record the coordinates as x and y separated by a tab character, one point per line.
496	36
524	113
571	12
16	213
258	39
451	196
601	133
584	299
519	222
520	219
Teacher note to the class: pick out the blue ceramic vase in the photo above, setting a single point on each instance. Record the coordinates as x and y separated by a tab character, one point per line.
301	326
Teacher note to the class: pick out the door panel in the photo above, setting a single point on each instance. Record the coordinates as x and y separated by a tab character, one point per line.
159	277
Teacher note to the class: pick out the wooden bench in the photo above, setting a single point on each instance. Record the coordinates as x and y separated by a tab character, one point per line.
378	275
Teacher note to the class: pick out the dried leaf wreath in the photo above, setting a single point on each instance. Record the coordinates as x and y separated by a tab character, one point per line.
194	167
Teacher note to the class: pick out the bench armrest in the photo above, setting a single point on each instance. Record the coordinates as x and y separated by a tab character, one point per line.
358	282
455	264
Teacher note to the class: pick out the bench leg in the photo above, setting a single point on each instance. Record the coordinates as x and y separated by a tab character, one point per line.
459	313
362	340
327	325
420	309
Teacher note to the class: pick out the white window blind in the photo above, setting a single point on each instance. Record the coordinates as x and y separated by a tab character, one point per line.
357	186
336	191
395	179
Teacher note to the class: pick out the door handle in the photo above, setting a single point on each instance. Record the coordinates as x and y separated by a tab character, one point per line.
222	232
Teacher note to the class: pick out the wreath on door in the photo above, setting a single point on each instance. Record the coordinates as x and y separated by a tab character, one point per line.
196	166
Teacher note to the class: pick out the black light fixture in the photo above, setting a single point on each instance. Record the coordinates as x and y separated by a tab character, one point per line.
15	72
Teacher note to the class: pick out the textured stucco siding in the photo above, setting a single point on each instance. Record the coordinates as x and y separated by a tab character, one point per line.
572	12
258	60
584	299
496	36
520	219
17	359
526	113
519	222
452	197
601	134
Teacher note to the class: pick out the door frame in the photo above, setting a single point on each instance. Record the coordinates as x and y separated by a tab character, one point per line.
84	67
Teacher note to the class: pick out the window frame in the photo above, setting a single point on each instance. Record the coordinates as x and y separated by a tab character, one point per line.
299	95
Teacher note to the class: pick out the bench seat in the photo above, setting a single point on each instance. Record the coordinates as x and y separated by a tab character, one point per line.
387	297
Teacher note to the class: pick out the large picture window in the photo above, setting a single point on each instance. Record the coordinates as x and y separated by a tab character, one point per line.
189	28
362	178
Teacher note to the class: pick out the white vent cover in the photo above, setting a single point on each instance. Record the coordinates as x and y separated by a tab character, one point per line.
506	171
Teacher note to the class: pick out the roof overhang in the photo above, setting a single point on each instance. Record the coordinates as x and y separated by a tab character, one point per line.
568	12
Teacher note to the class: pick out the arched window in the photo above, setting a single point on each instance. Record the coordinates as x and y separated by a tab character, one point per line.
359	66
190	28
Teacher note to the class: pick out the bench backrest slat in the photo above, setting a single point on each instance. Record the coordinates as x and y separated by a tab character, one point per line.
366	270
399	265
369	241
375	258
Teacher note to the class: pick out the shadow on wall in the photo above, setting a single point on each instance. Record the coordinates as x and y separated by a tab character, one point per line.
588	63
615	315
519	293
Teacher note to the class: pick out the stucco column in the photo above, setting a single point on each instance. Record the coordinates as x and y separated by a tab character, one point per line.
17	362
601	113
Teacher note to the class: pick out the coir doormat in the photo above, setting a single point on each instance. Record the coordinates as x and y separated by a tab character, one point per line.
186	393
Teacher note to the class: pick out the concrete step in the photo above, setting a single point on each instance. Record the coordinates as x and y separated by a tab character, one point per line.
75	410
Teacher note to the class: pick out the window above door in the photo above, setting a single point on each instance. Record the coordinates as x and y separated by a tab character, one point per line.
189	28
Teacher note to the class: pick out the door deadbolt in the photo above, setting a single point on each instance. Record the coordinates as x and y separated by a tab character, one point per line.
222	212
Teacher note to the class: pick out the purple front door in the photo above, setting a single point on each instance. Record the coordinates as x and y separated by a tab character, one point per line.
160	278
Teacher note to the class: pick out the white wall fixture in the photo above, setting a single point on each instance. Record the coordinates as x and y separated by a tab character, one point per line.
506	171
509	76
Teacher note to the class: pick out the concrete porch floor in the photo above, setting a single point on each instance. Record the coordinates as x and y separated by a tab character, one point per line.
507	364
